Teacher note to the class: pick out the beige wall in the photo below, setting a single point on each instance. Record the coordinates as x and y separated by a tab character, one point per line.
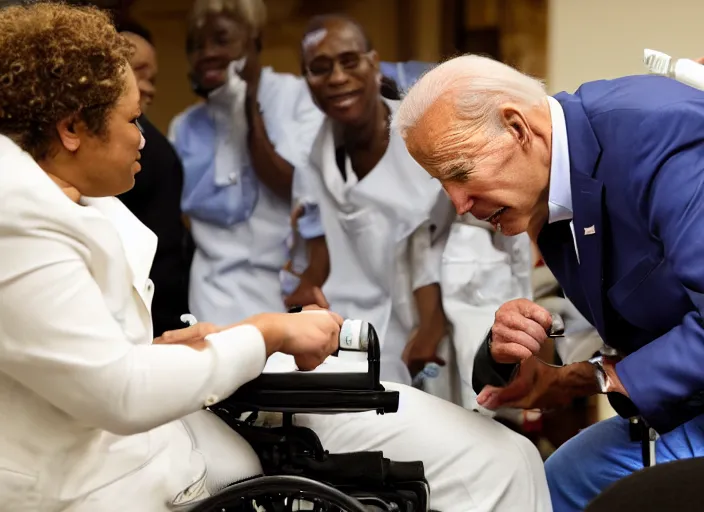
594	39
166	19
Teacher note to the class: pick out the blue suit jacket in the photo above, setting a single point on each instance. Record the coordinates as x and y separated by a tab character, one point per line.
636	149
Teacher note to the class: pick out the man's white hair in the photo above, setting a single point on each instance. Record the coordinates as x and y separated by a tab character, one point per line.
476	87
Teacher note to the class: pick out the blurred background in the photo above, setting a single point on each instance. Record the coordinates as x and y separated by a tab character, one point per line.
565	42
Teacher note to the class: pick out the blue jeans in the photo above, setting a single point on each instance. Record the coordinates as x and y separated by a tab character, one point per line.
603	453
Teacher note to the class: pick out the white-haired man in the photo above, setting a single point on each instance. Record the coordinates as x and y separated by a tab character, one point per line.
609	182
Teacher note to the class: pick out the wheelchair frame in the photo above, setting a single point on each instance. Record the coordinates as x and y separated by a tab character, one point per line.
295	464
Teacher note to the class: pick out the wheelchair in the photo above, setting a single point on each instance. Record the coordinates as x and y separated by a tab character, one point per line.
298	473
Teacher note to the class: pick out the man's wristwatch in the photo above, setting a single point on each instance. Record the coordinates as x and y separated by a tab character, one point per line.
623	405
600	373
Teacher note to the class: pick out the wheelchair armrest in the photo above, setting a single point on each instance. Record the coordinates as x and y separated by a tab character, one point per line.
323	401
319	392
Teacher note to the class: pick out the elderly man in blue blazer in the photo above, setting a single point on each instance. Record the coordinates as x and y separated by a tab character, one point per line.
610	183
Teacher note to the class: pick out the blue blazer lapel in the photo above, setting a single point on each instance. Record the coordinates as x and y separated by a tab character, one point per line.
587	205
587	195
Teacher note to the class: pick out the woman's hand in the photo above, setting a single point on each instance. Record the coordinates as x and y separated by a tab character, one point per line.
310	336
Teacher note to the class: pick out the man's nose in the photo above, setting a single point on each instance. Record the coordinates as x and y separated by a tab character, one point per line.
209	50
338	75
460	200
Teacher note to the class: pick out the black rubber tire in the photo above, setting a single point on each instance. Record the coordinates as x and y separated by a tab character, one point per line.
302	487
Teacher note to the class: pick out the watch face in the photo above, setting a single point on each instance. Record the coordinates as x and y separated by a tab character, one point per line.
599	373
601	379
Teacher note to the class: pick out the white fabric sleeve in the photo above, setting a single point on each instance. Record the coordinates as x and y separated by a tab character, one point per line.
59	339
173	128
295	140
428	243
426	257
520	257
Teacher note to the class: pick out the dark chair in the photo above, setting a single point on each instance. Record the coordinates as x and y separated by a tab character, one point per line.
667	486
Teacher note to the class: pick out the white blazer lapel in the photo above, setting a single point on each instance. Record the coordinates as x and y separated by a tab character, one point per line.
139	242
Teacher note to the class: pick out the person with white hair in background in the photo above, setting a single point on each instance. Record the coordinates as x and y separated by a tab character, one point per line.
608	181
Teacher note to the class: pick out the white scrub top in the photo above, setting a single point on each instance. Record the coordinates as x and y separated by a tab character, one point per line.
235	271
384	234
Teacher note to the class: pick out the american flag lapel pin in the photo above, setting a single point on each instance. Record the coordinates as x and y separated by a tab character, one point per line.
590	230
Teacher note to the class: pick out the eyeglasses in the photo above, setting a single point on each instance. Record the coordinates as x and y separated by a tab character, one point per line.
322	67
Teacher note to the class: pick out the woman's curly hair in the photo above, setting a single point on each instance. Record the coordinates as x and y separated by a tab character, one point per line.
57	62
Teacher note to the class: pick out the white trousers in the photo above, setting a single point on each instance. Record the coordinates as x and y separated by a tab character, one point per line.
472	463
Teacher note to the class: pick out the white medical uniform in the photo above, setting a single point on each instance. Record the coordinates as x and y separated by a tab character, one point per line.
235	270
384	234
481	270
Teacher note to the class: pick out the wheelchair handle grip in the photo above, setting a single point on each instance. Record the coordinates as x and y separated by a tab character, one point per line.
354	335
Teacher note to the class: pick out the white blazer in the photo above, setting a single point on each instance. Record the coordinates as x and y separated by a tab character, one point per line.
90	408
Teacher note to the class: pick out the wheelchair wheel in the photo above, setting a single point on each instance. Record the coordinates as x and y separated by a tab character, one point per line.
280	494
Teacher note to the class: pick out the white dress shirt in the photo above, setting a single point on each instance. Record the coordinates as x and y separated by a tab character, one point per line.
90	408
560	191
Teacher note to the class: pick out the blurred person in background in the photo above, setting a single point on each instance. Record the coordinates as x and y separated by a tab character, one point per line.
377	251
156	197
238	169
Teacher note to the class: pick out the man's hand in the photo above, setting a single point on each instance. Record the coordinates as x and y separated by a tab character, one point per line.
519	331
539	386
252	71
193	336
306	294
422	348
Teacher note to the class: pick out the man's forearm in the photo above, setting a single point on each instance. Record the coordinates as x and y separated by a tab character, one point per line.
429	305
273	170
319	261
578	380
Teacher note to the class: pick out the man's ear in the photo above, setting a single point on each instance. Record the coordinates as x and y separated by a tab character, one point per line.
68	134
374	58
516	123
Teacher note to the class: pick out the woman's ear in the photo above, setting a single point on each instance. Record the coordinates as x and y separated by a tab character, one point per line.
68	135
